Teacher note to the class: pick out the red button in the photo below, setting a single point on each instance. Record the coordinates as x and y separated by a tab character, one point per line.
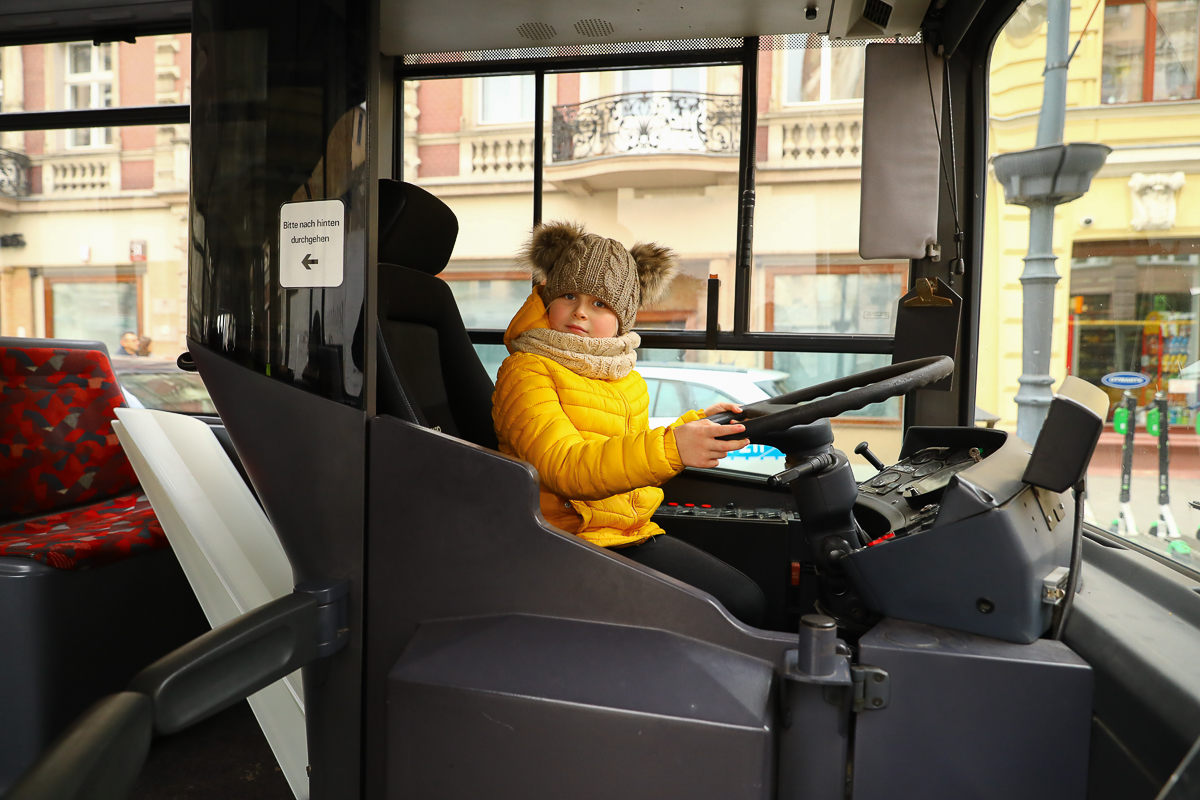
795	573
883	538
689	505
672	504
706	505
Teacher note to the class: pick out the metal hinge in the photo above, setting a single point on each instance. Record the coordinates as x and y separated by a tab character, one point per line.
872	687
1054	586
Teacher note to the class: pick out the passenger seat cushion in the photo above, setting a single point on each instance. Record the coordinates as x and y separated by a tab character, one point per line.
57	446
87	537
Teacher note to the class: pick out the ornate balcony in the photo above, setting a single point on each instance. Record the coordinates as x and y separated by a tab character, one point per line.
647	123
14	174
803	137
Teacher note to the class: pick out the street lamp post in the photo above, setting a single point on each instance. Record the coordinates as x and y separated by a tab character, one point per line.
1041	178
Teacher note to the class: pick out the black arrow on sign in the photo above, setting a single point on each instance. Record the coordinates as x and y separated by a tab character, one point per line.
308	261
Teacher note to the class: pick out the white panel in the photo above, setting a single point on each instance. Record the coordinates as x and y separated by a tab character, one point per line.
900	158
420	26
227	548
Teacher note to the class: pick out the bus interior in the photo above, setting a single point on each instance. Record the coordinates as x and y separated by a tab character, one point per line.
349	549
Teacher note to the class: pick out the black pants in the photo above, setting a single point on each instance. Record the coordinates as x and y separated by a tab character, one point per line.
670	556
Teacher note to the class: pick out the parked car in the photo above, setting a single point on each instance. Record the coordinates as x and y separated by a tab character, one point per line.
677	387
160	384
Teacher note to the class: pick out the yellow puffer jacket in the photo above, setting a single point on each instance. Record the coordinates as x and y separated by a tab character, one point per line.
590	441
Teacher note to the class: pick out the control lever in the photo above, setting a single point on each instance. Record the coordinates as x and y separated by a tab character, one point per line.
863	449
807	467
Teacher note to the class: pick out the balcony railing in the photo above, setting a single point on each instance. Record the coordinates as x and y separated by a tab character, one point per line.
813	138
647	122
14	174
85	174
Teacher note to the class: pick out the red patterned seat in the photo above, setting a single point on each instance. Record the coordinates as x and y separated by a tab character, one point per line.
58	453
88	537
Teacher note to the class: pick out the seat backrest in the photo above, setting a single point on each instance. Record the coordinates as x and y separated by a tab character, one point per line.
57	446
429	373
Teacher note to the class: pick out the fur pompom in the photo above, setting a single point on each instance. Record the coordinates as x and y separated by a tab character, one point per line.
548	244
656	266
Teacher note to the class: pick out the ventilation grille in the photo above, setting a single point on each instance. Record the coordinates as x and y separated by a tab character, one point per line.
877	13
540	31
594	28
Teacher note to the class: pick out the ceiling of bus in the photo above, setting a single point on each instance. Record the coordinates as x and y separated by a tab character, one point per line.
435	26
56	20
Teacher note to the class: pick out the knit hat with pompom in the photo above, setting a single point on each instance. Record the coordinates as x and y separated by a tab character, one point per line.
571	260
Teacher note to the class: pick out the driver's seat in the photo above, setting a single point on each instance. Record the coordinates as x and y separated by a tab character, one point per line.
429	373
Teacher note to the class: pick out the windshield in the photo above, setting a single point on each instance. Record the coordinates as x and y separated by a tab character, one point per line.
1127	311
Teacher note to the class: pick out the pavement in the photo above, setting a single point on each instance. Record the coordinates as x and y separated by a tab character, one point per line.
1104	497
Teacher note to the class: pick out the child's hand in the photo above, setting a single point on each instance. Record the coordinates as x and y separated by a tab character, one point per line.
724	405
699	446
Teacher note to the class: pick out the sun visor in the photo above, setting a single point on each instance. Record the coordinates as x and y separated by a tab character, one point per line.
901	161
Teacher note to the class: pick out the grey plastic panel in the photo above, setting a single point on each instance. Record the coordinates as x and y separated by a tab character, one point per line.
901	164
455	531
98	758
1138	624
544	707
982	574
973	717
71	637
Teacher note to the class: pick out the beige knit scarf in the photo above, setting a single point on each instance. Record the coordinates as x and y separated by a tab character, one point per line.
606	359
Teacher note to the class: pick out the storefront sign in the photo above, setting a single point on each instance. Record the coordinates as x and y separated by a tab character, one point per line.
137	251
1125	380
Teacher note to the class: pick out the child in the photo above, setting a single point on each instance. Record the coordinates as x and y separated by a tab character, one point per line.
568	401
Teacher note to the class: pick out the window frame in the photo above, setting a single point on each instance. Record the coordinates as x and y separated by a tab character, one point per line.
1149	54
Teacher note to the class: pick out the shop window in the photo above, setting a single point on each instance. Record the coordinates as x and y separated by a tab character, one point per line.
1150	50
88	83
96	309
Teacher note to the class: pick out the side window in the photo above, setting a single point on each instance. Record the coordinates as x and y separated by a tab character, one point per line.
672	400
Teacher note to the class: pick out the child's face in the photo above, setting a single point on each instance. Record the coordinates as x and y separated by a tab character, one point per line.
583	315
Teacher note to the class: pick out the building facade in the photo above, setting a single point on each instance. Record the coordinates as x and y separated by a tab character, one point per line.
93	221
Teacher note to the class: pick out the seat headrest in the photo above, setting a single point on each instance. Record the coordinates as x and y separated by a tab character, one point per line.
416	229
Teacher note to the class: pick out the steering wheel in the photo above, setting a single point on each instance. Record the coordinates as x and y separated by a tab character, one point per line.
848	394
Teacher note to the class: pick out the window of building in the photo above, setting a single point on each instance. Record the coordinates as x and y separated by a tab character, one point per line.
824	74
88	83
506	99
1150	50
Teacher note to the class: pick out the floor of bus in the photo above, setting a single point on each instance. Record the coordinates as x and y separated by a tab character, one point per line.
223	757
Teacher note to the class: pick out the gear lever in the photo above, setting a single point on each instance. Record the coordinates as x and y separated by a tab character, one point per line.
864	450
